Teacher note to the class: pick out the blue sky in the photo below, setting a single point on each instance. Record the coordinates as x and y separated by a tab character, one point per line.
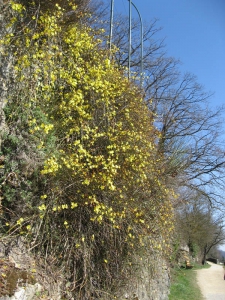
195	34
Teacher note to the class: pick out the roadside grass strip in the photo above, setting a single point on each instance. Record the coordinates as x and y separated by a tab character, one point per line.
184	284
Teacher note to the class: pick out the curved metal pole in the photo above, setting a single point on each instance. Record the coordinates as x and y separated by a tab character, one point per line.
129	50
111	26
130	37
141	55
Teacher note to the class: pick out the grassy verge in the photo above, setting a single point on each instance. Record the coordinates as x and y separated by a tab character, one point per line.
184	284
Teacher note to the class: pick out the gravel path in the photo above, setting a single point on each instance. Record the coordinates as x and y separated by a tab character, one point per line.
211	282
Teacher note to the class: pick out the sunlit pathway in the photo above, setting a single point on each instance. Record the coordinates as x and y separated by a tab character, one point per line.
211	282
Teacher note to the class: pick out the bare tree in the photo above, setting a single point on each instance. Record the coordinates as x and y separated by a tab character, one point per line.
199	227
190	132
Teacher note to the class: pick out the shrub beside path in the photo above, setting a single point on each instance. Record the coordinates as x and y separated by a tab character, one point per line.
211	282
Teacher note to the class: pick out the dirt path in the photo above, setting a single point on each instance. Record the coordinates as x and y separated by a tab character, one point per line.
211	282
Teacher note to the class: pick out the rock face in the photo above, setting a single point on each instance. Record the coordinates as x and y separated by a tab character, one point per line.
21	278
17	269
29	292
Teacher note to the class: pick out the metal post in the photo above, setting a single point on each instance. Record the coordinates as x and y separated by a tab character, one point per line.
141	55
129	51
111	26
130	37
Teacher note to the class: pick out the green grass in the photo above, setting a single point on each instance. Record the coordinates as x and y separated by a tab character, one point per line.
184	284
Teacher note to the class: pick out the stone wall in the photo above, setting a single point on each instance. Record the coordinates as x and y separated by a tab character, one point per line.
150	280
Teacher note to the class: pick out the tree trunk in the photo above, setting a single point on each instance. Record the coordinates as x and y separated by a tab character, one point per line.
204	255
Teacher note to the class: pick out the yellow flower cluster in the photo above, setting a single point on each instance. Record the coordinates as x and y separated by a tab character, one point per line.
17	7
51	166
105	156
